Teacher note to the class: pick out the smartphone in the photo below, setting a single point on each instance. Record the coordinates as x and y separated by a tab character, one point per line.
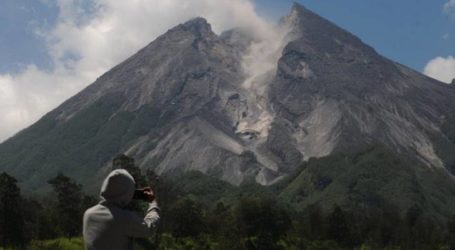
140	195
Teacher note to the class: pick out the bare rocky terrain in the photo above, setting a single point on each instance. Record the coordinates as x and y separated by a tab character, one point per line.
195	100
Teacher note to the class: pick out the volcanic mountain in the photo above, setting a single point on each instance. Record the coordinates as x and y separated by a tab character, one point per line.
188	102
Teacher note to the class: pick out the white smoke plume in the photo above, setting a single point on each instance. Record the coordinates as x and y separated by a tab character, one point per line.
90	37
260	63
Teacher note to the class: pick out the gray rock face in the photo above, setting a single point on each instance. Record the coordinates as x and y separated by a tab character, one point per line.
194	79
338	93
195	105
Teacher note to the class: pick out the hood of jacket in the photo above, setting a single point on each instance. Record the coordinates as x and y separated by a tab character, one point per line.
118	188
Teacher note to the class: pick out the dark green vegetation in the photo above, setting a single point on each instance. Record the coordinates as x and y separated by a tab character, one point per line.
84	144
446	146
375	177
24	219
12	221
201	212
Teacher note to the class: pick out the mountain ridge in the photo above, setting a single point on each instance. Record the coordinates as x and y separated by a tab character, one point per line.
358	74
190	101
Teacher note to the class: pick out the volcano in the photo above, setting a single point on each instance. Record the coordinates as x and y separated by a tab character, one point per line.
190	101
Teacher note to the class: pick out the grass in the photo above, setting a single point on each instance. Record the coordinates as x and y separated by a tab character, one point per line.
56	244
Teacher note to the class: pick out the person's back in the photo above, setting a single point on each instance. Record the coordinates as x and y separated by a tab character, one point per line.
109	226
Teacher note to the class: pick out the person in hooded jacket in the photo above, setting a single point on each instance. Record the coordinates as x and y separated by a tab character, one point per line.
108	225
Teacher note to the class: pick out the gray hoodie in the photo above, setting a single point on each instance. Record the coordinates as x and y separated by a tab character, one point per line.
108	225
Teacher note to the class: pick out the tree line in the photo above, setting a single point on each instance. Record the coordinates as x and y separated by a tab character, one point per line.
249	222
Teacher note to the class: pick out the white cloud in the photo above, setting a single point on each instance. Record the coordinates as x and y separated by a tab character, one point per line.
83	46
449	7
441	68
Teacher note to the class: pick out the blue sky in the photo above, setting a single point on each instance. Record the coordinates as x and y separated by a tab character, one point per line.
411	32
19	42
51	49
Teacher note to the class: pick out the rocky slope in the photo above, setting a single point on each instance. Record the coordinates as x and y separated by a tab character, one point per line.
339	94
189	101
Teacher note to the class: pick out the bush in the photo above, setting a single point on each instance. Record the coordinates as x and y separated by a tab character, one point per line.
57	244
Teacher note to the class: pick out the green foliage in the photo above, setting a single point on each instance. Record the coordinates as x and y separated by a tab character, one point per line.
338	228
207	189
71	204
203	242
372	178
310	222
451	227
262	222
258	223
201	212
124	162
57	244
42	221
12	224
187	219
76	147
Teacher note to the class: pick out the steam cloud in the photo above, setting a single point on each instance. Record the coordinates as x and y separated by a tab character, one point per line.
89	40
259	62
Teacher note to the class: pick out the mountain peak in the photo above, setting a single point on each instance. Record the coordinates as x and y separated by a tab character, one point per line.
185	103
198	25
322	35
300	17
298	7
197	22
299	13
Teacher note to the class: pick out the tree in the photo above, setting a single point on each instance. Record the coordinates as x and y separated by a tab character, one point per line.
186	219
338	228
262	222
39	219
69	205
451	226
392	227
11	214
123	161
411	218
412	215
310	223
